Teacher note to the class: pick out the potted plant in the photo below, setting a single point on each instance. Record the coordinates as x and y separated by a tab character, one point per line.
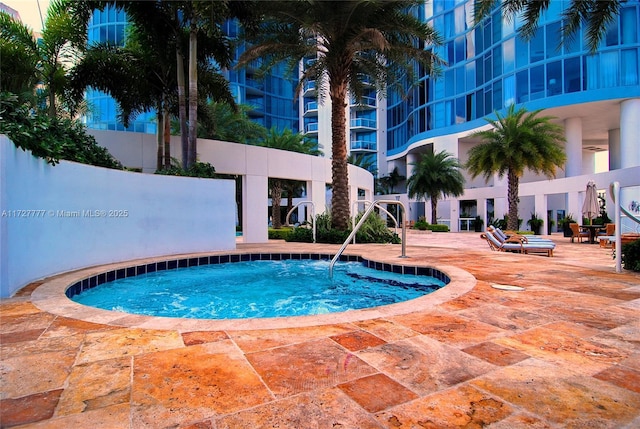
535	223
477	224
564	223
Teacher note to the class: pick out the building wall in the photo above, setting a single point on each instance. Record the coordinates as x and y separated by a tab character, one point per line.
254	163
69	216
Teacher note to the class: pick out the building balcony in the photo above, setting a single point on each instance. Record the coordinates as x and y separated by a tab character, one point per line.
363	146
311	109
311	129
309	88
366	103
363	124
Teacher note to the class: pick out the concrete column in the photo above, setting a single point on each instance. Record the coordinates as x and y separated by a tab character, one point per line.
588	162
614	149
482	210
255	215
629	132
574	206
454	214
540	209
573	147
500	207
411	159
316	193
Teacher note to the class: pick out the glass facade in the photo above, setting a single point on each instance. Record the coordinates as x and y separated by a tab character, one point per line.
109	26
271	96
489	67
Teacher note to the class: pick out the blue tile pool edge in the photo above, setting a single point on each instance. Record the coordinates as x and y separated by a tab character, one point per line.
174	264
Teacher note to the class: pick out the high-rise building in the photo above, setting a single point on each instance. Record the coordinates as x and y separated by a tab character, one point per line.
594	95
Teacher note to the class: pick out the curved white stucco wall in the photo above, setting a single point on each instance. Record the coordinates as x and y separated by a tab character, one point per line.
68	216
254	163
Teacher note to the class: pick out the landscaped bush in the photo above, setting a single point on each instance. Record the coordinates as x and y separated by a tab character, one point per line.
631	256
438	228
51	139
198	169
421	224
280	233
374	230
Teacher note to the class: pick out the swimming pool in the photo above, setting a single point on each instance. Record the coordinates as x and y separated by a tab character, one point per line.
254	286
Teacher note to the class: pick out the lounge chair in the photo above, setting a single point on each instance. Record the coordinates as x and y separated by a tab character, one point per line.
516	244
502	237
578	233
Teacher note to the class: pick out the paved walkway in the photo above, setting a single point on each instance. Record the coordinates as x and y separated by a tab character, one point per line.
565	352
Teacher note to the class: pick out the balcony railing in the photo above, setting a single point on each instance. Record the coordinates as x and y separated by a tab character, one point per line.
363	145
363	123
311	128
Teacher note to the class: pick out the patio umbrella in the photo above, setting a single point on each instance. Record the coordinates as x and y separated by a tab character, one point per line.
591	206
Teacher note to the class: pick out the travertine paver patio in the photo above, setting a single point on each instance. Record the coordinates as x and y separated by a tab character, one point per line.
563	353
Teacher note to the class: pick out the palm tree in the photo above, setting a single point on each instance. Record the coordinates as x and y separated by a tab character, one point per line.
519	140
344	43
20	58
390	181
436	176
595	14
285	140
221	121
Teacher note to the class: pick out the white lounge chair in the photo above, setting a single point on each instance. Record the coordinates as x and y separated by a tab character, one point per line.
516	244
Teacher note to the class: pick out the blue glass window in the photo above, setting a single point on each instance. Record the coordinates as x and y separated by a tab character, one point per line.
471	48
488	105
611	38
470	72
497	61
460	50
479	104
522	86
553	39
460	80
478	39
509	90
460	21
449	113
610	68
449	26
508	55
497	95
479	72
630	67
487	68
522	52
537	83
592	73
497	27
449	83
629	25
572	75
554	78
461	110
536	46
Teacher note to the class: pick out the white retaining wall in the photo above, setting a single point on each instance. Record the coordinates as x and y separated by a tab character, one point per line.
59	218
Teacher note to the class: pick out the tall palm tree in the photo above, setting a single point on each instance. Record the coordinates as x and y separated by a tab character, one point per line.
221	121
20	57
344	44
285	140
595	14
390	181
436	176
519	140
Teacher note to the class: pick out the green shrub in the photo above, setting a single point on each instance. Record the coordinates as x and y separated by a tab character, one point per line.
421	224
198	169
280	234
373	230
300	235
438	228
51	139
631	256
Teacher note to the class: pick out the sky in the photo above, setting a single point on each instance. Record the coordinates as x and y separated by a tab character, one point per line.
28	10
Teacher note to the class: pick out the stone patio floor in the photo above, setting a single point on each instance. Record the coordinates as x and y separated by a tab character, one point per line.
565	352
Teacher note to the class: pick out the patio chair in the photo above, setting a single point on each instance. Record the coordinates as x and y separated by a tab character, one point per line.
607	235
516	244
577	232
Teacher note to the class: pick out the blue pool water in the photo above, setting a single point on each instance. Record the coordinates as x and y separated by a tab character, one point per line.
257	289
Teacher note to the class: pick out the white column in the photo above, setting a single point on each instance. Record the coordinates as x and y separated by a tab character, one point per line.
540	209
454	214
482	209
317	194
614	149
500	207
588	162
411	159
574	206
573	147
255	211
629	132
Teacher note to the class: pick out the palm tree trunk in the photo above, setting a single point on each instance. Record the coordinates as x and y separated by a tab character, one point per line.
513	182
434	210
167	137
339	170
193	93
276	197
159	136
182	109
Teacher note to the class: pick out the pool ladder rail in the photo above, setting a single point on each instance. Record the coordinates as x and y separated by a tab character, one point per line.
357	228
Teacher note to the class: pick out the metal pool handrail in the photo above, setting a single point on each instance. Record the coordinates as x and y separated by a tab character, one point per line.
313	215
353	220
357	227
